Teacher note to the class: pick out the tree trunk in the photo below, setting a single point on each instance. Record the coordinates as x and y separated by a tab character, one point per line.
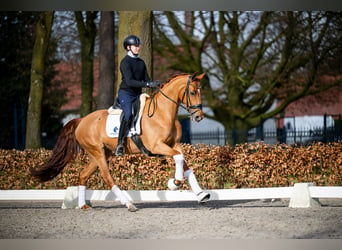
87	34
106	94
236	135
137	23
33	127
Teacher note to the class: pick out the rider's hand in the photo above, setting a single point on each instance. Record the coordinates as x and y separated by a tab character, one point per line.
153	84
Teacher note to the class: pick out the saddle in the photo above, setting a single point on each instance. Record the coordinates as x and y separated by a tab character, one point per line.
137	110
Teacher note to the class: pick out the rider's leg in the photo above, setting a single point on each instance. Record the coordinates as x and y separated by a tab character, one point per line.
123	132
126	100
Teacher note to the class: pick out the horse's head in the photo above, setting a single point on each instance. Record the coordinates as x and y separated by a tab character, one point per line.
191	98
187	90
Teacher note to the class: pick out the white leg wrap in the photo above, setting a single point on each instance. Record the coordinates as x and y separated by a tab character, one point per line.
81	196
171	184
179	160
189	174
118	193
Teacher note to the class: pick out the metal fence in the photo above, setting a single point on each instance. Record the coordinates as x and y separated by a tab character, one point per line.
328	132
301	136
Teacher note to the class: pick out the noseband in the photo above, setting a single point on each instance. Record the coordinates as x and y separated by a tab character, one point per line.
186	94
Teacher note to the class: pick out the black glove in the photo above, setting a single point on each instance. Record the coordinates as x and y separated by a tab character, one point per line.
153	84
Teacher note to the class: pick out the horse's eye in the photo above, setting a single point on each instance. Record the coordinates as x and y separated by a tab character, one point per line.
192	93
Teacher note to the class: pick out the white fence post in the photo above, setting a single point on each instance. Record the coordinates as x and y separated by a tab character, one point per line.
301	196
71	197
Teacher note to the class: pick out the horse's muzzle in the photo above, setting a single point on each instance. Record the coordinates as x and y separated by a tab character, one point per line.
197	115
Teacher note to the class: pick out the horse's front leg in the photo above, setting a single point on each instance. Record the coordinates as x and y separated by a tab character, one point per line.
182	170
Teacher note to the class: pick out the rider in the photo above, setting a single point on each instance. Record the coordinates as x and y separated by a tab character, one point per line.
134	78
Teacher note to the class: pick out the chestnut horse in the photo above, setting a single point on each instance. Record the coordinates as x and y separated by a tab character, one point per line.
160	134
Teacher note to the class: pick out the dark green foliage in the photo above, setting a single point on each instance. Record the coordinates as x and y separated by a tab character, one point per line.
16	45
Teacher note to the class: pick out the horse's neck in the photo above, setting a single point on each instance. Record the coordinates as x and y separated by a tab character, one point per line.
172	108
164	106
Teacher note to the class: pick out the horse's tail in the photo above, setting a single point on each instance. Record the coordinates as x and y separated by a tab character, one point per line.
66	148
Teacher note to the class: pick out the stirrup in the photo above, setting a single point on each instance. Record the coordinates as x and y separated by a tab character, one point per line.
120	151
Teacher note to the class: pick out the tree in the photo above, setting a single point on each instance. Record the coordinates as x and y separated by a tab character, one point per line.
33	127
106	93
137	23
16	43
54	97
253	59
66	34
87	33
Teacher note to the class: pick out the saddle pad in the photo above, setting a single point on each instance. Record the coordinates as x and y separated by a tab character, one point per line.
113	126
113	120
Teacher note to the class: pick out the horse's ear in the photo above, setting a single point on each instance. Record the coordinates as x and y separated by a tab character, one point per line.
201	76
194	75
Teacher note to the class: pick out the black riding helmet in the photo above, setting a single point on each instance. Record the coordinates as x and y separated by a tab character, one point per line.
131	40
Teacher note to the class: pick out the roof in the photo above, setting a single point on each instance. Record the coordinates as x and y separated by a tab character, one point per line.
327	102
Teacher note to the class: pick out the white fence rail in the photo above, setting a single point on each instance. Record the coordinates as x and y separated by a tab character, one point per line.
300	195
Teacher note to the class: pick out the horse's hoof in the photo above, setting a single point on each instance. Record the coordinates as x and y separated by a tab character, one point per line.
86	207
203	197
132	208
172	185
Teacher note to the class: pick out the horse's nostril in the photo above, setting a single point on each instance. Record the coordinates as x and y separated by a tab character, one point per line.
198	118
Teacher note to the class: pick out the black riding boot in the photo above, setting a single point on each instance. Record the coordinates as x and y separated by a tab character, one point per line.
123	132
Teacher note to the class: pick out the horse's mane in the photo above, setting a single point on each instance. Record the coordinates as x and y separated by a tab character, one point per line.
171	78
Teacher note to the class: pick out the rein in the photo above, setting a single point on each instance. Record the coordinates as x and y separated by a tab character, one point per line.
186	95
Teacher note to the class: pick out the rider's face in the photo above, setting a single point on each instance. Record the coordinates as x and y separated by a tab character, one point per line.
135	49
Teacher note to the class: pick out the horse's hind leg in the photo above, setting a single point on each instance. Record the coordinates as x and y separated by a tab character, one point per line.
100	157
84	176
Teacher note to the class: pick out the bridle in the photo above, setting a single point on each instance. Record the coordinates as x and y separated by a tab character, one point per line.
186	95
